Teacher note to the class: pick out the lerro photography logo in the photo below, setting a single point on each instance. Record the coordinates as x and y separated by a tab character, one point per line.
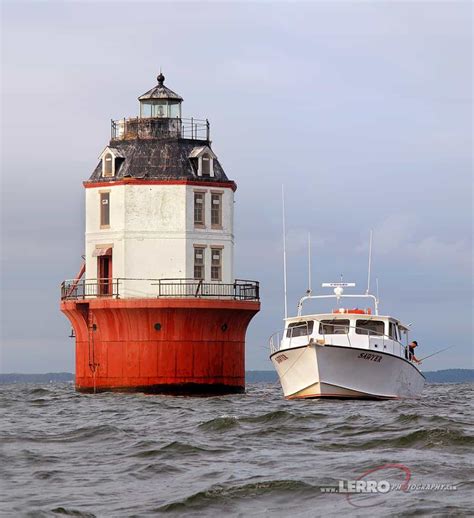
368	488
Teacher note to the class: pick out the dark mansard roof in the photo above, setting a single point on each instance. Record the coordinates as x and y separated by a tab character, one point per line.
157	159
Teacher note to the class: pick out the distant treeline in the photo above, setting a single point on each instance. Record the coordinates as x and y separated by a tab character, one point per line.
49	377
443	376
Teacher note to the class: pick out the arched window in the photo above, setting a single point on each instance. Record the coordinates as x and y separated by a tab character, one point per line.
108	165
206	164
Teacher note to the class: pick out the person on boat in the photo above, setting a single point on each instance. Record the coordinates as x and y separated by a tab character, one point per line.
411	352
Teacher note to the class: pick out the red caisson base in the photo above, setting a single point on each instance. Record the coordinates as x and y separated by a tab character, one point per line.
175	346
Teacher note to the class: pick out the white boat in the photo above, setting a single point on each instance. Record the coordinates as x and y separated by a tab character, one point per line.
348	353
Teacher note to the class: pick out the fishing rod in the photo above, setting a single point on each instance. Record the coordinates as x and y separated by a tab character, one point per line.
430	355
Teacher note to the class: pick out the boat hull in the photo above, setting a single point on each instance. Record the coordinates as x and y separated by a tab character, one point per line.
318	371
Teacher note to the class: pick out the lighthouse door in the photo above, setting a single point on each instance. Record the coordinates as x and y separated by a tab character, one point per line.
104	270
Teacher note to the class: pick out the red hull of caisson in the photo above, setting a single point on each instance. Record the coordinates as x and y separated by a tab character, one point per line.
175	346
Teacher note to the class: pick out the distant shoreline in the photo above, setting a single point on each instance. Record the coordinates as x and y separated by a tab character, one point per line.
441	376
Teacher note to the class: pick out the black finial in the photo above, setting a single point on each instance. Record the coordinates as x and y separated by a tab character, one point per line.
161	79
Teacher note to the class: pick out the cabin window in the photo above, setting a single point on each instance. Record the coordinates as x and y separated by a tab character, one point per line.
199	198
216	264
104	209
199	262
334	327
299	329
370	327
393	331
108	165
216	210
206	165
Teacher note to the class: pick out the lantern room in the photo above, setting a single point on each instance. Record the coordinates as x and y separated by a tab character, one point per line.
160	102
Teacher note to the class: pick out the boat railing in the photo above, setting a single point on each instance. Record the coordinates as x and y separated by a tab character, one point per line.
322	337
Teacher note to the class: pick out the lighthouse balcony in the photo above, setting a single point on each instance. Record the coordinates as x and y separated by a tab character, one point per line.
160	128
158	288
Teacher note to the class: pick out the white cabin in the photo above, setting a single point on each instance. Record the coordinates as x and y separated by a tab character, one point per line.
352	328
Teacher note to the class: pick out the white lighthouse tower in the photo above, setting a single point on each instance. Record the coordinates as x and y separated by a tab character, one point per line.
159	248
159	211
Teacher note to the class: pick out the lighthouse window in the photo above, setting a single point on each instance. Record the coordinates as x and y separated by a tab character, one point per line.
199	208
198	263
216	264
108	165
104	209
216	210
370	327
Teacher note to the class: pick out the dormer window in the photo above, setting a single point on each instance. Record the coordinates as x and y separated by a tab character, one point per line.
206	162
111	159
202	159
108	165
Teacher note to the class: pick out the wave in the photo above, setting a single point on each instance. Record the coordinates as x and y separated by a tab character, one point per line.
80	434
434	438
224	423
181	448
40	391
220	494
220	424
150	471
51	476
72	512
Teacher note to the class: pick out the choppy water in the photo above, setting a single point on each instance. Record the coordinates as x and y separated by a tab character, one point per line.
255	454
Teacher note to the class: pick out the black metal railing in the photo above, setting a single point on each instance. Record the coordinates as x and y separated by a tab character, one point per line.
160	128
239	290
83	289
158	288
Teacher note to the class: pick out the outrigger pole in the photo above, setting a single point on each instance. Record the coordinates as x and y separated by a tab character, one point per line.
370	263
309	264
284	249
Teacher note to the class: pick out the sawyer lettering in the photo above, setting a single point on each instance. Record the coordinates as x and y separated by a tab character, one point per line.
371	357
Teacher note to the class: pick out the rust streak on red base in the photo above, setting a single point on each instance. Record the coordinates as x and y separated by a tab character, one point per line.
160	345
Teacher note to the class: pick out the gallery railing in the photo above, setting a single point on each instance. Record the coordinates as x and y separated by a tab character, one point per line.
160	128
158	288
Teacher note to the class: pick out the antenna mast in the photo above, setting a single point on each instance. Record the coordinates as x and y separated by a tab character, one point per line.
309	264
284	249
370	263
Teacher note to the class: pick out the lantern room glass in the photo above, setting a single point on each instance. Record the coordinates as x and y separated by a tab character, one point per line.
162	108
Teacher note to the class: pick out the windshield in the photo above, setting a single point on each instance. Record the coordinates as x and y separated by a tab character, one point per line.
334	327
299	329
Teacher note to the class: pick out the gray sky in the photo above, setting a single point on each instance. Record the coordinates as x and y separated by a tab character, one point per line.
362	110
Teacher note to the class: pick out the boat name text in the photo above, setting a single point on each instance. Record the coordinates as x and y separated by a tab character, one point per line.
371	357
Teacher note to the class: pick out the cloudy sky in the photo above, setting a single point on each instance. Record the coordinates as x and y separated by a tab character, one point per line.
361	109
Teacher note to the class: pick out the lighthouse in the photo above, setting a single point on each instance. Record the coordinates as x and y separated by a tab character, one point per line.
156	306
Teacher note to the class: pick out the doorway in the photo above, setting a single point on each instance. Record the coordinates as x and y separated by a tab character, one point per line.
104	275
